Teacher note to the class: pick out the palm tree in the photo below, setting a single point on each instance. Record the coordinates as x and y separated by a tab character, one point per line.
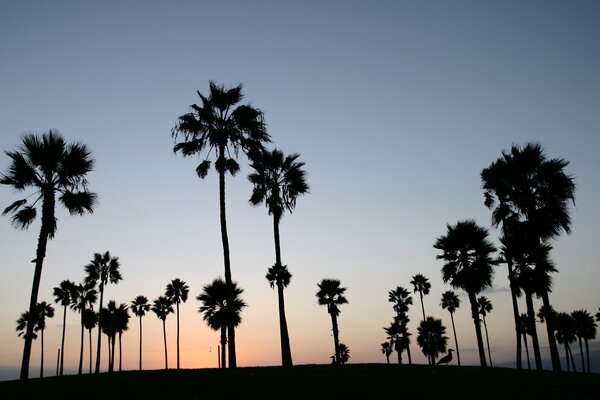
402	300
278	181
386	350
140	306
421	284
468	265
107	324
121	325
331	294
398	335
90	320
431	338
221	307
85	297
344	353
485	307
451	302
564	324
52	168
524	328
44	310
162	307
585	329
177	292
220	124
65	295
101	270
537	190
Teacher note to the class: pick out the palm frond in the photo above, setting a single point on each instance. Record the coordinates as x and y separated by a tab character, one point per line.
78	203
24	217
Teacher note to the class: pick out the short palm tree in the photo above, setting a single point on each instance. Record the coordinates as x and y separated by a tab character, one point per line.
565	328
162	307
331	294
221	306
585	329
451	302
386	350
65	295
90	320
54	170
177	292
43	310
221	124
107	322
140	307
432	338
278	181
468	265
398	335
102	270
524	329
344	353
402	299
85	297
421	284
485	307
121	325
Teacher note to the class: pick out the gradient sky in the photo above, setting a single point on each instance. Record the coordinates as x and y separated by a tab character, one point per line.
395	107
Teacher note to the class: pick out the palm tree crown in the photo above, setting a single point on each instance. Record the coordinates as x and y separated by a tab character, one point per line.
450	301
401	298
432	337
140	306
331	294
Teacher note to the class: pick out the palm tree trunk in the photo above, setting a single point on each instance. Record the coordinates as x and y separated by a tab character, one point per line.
487	339
113	343
62	343
165	341
177	306
90	342
533	332
42	356
225	240
408	351
526	350
120	351
81	347
581	354
99	347
550	329
587	353
336	340
286	352
387	357
422	306
47	213
475	316
455	339
140	342
399	356
567	356
515	304
108	344
223	346
572	360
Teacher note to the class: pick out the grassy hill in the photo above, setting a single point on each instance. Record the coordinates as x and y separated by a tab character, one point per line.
360	381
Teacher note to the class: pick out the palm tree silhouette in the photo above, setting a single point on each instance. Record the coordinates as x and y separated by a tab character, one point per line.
398	335
467	256
331	294
221	307
485	307
220	124
538	190
524	328
85	297
344	353
121	325
103	269
43	311
107	321
52	168
421	284
177	292
90	320
585	329
431	338
564	325
386	350
140	306
162	307
402	300
65	295
451	302
278	181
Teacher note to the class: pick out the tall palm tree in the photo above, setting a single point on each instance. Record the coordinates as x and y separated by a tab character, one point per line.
221	124
162	307
102	270
468	265
140	306
277	181
432	338
121	325
524	328
585	329
565	328
421	284
386	350
485	307
538	191
451	302
221	307
85	297
90	320
331	294
51	168
65	295
402	300
177	292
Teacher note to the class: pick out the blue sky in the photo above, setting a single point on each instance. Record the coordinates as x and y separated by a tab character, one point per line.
394	106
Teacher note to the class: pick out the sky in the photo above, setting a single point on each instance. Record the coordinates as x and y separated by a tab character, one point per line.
394	106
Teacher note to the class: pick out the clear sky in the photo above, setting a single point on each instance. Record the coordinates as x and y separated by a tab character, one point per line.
394	106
